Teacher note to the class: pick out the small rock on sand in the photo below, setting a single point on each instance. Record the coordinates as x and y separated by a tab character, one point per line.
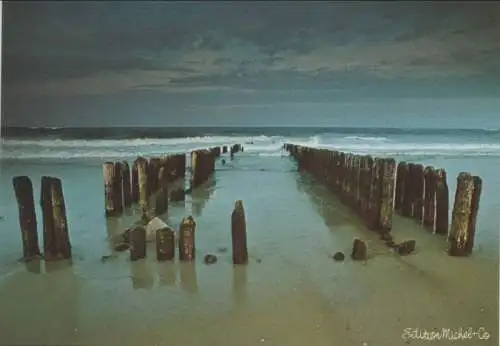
210	259
339	256
359	250
122	247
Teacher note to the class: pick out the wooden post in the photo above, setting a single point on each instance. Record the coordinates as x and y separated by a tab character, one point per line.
398	199
459	236
55	226
476	197
406	190
224	149
118	187
161	197
365	180
135	182
110	198
387	195
429	198
153	174
187	246
359	250
23	189
418	189
239	234
142	177
137	243
442	202
165	244
127	188
374	202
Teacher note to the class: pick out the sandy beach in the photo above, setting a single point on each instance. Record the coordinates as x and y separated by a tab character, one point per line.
291	293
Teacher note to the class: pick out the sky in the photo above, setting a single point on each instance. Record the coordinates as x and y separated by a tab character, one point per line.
237	63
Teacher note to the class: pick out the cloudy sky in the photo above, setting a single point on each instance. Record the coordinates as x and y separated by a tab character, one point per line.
250	63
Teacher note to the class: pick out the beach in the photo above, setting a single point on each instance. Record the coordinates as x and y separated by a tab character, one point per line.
291	292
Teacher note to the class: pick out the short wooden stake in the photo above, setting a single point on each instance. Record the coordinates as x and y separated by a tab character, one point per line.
239	234
476	197
442	202
165	244
142	174
429	198
110	198
23	189
418	189
118	187
459	236
359	250
137	243
387	195
187	246
55	225
126	187
135	182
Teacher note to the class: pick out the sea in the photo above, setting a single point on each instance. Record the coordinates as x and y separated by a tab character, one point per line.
291	292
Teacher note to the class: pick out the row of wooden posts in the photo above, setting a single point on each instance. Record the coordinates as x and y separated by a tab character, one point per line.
123	187
166	239
374	188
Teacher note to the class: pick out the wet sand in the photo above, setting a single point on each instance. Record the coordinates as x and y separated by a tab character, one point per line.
291	293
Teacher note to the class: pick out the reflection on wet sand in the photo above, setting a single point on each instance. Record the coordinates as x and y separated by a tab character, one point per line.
189	280
46	304
141	275
202	194
167	273
239	283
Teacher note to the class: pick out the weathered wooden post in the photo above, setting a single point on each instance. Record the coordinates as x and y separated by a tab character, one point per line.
364	180
239	234
153	174
187	246
127	187
387	195
110	198
429	198
165	244
442	202
118	187
406	188
135	182
23	189
224	149
55	225
359	250
418	190
374	202
459	236
142	177
398	198
137	243
161	197
476	197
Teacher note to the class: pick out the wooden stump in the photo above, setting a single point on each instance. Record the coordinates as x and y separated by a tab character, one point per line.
118	187
459	237
137	243
365	181
375	194
418	192
23	189
239	234
127	187
135	182
410	189
142	177
110	198
442	202
153	175
55	226
359	250
165	244
387	195
187	246
476	197
405	191
429	198
161	197
398	199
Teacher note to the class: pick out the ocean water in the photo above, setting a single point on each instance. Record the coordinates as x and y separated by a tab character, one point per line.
291	293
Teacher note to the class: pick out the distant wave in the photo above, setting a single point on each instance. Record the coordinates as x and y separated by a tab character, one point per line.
260	144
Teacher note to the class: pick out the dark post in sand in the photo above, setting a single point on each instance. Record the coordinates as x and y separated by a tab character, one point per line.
429	198
459	236
137	243
135	182
118	187
55	226
110	198
418	189
187	246
23	189
142	177
153	168
161	197
387	195
476	197
239	234
127	189
375	194
165	244
442	202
